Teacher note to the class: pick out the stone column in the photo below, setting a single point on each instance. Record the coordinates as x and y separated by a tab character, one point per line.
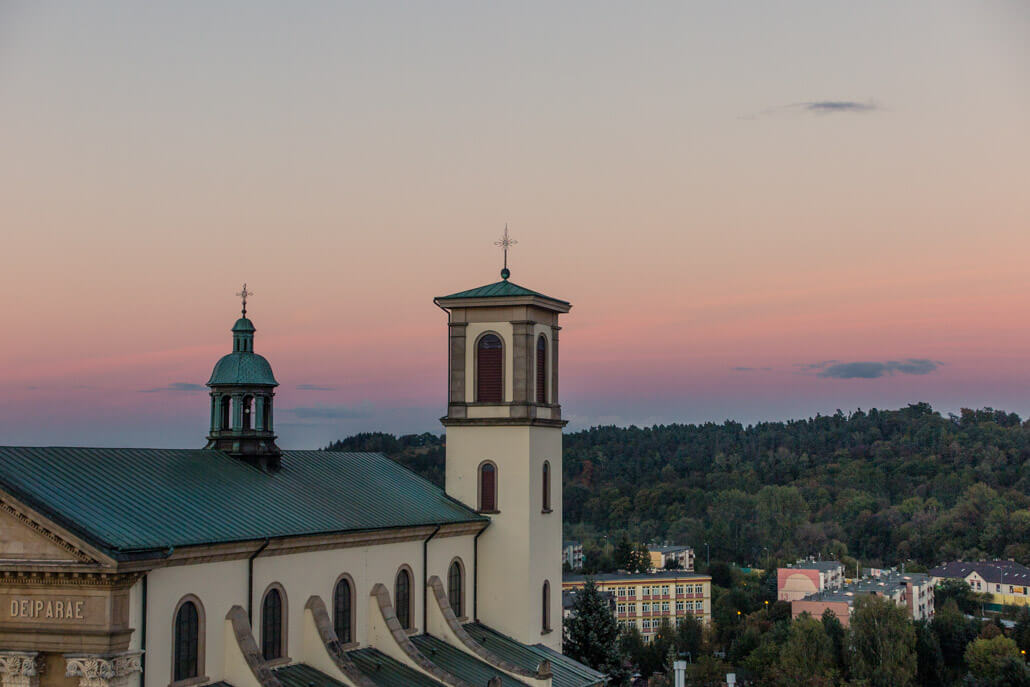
20	668
109	670
214	412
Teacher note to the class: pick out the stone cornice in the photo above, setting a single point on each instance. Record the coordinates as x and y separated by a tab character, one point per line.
35	523
76	578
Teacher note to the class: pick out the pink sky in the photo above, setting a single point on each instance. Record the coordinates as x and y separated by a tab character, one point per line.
713	188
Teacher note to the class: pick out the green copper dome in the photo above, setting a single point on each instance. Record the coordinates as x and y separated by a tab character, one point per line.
243	368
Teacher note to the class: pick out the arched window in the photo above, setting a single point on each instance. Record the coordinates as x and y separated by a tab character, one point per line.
547	486
403	595
226	422
541	370
455	588
342	608
248	404
266	414
546	614
186	637
272	635
488	488
490	369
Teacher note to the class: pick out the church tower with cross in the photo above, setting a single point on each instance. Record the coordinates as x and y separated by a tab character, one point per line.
504	448
242	388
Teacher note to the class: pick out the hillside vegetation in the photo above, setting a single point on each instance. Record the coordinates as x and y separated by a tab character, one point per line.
882	486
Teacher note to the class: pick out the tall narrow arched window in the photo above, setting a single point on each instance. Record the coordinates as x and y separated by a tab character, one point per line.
266	414
547	486
225	409
403	596
272	634
248	405
342	608
488	488
490	369
541	369
186	649
455	588
545	616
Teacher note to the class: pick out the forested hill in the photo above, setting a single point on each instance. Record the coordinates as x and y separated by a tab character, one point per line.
882	486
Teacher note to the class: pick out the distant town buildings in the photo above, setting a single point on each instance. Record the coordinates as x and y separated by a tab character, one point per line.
671	557
911	591
572	555
1007	582
644	600
808	577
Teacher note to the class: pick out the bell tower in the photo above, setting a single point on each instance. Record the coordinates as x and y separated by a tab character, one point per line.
504	449
242	388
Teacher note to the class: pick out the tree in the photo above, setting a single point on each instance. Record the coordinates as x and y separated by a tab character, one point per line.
807	656
958	591
987	658
591	634
690	636
953	631
883	643
838	636
929	659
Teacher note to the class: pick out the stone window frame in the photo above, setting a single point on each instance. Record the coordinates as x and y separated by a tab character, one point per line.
545	615
541	370
475	366
201	676
461	567
546	478
284	626
410	629
479	487
352	643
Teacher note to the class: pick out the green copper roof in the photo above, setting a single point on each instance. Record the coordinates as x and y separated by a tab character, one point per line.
461	664
244	368
499	289
566	672
132	500
243	325
385	671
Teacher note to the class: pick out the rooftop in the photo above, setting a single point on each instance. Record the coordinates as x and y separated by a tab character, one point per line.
461	664
655	576
500	289
566	673
385	671
997	572
825	566
129	501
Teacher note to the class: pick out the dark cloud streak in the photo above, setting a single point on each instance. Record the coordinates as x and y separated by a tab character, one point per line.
874	369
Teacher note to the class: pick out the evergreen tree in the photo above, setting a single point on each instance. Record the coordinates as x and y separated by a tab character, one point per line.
591	634
838	639
929	659
883	644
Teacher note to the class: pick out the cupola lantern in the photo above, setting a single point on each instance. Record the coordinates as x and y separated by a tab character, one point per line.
242	388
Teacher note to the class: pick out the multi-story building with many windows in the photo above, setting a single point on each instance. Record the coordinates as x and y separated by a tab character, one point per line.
646	599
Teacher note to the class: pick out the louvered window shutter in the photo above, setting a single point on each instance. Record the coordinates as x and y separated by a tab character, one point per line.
490	370
488	488
541	370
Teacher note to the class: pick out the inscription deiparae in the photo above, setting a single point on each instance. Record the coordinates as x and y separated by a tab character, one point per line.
50	609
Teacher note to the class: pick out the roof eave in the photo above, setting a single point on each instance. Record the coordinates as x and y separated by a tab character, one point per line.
545	302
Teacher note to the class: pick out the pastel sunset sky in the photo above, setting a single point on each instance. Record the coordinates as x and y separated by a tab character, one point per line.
760	210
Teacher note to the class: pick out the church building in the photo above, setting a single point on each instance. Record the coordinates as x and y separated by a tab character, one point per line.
243	564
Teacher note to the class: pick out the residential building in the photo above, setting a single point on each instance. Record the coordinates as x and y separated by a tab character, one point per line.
808	577
914	592
249	565
646	599
681	556
1007	582
572	555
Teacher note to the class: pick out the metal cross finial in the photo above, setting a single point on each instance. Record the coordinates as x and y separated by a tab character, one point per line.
243	294
505	243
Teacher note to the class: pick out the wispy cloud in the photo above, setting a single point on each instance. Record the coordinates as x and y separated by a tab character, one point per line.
751	369
821	107
175	386
320	412
315	387
874	369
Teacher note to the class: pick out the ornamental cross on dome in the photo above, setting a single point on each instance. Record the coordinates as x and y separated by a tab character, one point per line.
243	294
505	243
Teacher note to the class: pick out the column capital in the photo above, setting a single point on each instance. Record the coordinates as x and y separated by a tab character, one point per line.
20	668
109	670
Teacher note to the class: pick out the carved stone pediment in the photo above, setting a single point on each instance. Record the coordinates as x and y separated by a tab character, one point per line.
28	538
